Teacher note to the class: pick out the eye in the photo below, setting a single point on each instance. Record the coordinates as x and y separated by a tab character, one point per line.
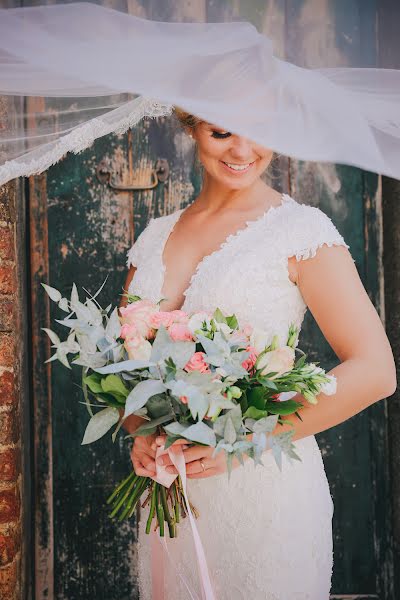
220	135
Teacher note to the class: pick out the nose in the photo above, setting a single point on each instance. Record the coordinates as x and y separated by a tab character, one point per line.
241	148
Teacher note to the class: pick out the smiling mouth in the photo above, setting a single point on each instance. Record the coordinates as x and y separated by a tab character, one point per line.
237	168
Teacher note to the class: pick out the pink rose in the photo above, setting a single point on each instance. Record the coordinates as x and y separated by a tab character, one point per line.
180	332
139	314
183	399
179	316
162	317
128	331
197	363
168	317
250	361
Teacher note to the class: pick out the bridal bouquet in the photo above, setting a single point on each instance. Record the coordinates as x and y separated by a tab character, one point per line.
203	377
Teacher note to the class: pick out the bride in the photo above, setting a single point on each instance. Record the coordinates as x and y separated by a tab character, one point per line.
262	255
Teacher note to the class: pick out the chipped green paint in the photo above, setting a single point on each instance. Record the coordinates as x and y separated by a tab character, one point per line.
90	228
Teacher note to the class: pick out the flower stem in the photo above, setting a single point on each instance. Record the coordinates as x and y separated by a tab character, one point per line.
160	511
152	507
167	515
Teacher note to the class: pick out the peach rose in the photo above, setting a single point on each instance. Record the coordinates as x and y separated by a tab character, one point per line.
139	314
138	348
250	361
280	361
180	332
197	363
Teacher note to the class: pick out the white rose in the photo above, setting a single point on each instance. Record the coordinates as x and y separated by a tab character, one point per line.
329	388
259	340
196	321
280	361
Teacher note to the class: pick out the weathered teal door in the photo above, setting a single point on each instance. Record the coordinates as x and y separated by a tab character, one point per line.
80	232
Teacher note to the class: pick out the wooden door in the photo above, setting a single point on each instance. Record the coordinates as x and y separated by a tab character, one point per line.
80	232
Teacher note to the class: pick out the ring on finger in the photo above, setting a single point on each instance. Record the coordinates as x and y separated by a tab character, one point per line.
202	465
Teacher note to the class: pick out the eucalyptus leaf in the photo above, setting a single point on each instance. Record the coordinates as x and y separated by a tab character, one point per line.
266	424
201	433
229	431
52	292
99	424
113	327
52	335
141	393
149	425
175	428
125	365
63	304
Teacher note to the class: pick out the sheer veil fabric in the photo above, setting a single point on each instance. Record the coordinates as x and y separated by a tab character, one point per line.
225	73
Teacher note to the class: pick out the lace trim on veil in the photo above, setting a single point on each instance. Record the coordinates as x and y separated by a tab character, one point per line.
82	136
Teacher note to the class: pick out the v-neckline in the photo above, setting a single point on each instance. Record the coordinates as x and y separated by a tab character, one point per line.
285	198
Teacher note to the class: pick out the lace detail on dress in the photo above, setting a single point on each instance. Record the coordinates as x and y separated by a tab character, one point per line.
82	136
249	526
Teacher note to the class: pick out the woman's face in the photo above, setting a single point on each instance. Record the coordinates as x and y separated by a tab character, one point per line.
234	161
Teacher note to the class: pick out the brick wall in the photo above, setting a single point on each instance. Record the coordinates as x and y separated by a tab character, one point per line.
15	494
10	431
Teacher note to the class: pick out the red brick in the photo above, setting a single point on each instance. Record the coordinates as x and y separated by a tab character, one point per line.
6	314
9	427
7	279
7	388
7	349
6	243
10	504
9	576
10	464
10	542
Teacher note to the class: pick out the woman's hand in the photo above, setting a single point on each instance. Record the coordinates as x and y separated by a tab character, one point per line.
193	455
143	455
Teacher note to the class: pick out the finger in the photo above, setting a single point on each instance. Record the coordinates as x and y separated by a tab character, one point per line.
195	453
144	447
139	467
195	467
166	460
141	470
148	463
203	474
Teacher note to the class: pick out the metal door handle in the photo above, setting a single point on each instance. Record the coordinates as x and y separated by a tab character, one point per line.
159	174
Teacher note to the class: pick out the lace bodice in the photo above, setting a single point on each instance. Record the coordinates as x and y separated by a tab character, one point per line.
256	545
248	274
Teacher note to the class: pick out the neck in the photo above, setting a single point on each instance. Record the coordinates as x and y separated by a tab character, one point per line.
215	197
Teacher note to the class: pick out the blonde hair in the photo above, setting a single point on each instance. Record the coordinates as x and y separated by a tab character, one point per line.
186	119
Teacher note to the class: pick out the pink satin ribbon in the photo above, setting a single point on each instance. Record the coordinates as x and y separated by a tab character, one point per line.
159	546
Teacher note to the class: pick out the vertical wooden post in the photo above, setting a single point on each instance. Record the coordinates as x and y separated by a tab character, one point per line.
389	57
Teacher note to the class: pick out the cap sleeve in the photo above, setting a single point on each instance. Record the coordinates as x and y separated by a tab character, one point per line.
136	252
313	228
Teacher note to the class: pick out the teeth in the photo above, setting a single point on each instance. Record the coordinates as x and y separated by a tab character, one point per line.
237	167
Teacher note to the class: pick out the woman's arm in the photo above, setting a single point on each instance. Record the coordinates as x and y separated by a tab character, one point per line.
333	291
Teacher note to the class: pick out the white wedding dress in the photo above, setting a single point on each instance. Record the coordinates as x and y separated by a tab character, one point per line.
267	534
